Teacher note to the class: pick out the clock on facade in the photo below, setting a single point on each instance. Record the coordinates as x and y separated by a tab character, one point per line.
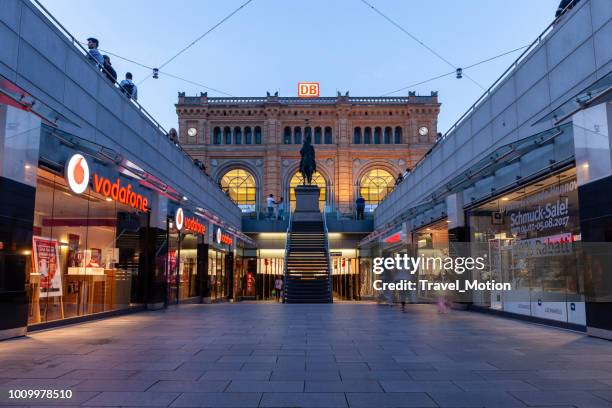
192	132
423	131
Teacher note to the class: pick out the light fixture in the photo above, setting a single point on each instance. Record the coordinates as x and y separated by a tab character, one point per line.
185	198
27	166
505	199
109	199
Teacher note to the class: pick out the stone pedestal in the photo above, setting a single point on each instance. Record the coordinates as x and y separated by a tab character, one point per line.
307	204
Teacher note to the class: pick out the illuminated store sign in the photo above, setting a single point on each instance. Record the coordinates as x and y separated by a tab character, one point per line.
222	238
77	176
308	89
392	239
190	223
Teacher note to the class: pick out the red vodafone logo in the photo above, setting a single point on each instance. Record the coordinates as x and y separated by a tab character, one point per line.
179	218
77	173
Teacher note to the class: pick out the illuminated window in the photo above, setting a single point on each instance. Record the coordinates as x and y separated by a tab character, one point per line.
317	179
240	186
374	186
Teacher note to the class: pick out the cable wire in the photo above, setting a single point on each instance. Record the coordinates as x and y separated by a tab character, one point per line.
402	29
452	72
199	38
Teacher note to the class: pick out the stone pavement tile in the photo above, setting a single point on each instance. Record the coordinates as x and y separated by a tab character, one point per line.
237	375
265	386
190	386
580	399
303	400
575	374
422	359
34	373
494	385
279	353
41	383
343	386
100	374
374	375
147	366
77	398
135	399
186	375
248	359
205	358
417	386
607	394
507	374
468	365
391	400
492	399
443	375
204	366
113	385
214	400
291	375
568	384
316	366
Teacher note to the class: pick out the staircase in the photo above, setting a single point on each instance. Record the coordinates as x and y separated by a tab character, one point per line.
307	263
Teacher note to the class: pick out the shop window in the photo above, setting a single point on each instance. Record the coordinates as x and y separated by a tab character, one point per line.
328	135
248	135
374	186
257	135
318	136
240	185
357	135
317	179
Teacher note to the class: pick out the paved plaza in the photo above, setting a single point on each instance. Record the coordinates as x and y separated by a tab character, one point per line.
340	355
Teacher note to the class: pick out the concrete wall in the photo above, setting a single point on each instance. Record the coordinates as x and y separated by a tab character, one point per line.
573	55
39	58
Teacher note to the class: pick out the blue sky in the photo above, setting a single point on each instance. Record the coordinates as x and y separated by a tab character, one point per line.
270	45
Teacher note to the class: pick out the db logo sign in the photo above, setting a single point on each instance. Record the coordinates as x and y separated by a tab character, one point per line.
308	89
77	173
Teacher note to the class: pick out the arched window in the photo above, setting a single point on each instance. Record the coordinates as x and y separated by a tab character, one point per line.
317	179
248	135
374	186
308	133
297	135
287	135
237	135
387	136
257	135
357	135
398	135
367	135
227	135
217	135
317	138
377	133
241	188
328	135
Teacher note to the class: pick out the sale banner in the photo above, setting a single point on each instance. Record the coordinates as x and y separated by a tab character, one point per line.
46	261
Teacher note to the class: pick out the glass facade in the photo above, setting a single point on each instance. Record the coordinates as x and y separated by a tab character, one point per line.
317	179
374	186
240	185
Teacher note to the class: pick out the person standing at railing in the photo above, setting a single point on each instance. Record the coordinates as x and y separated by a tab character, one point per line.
129	87
399	179
360	206
280	209
94	53
270	206
109	71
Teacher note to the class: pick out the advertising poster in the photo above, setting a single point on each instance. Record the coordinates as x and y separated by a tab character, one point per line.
47	263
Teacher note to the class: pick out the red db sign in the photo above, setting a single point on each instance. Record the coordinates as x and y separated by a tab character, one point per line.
308	89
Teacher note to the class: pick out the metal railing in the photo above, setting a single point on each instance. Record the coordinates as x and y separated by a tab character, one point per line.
286	269
330	277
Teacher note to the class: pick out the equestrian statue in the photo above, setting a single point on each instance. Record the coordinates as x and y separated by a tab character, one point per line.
307	163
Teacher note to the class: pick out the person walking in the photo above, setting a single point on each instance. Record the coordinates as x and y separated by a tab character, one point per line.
129	87
270	205
360	206
108	69
278	287
399	179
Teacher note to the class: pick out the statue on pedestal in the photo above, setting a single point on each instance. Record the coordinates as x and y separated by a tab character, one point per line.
307	163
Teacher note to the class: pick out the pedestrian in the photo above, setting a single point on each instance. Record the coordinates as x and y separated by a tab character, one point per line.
563	5
280	209
94	53
108	69
128	87
360	206
399	179
406	172
278	287
270	205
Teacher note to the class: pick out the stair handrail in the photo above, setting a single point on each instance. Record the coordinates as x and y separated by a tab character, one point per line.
286	269
329	263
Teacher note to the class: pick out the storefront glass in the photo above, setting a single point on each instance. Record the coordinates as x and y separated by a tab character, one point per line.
269	269
432	242
530	236
217	274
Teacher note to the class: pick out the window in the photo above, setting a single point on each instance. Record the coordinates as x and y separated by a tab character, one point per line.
237	135
240	185
298	180
248	135
388	132
377	132
367	135
374	186
217	135
257	135
398	135
328	135
227	135
317	138
287	135
297	135
308	133
357	135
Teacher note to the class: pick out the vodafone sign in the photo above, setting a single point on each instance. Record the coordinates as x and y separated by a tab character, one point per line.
179	219
189	223
77	173
77	176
